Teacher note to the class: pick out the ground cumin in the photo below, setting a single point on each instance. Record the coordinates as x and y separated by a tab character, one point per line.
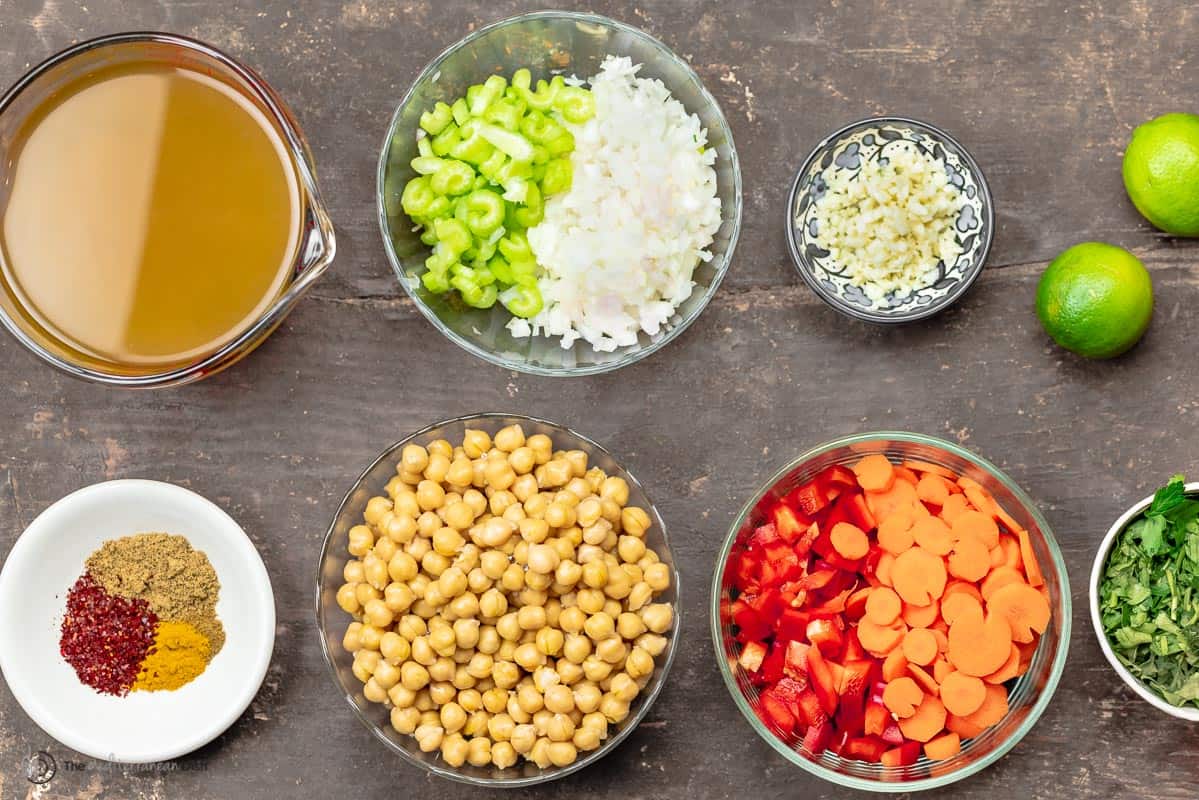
176	580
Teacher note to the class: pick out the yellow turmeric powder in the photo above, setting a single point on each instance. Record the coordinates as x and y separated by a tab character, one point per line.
179	654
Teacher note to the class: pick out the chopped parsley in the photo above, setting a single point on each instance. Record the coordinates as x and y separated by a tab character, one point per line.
1149	596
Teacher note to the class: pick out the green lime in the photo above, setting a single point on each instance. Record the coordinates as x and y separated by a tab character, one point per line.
1161	172
1095	299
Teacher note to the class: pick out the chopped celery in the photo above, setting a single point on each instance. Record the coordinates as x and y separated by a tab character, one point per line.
492	88
539	128
533	210
416	197
515	146
491	167
453	178
460	111
522	79
505	113
436	281
562	145
435	121
515	247
558	176
575	103
522	301
445	141
484	212
452	235
424	147
426	165
500	268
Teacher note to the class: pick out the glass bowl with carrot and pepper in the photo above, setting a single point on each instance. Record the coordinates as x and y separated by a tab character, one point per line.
890	612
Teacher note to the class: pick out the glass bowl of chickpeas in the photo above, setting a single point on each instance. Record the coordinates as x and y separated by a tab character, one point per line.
497	600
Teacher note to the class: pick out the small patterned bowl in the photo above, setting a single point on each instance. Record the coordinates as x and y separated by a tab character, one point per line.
847	149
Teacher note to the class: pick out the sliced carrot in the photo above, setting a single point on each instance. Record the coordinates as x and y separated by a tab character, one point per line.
993	709
962	694
979	497
926	681
1025	609
962	726
883	504
997	579
882	570
921	616
883	606
1031	568
941	668
933	535
895	665
941	634
926	722
1027	652
933	469
920	646
978	645
933	489
1009	549
849	540
879	640
875	473
977	525
1006	519
969	588
1009	670
919	576
953	508
902	473
970	559
895	531
959	603
945	746
902	697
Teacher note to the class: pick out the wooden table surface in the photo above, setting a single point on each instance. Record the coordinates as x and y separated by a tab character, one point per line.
1044	95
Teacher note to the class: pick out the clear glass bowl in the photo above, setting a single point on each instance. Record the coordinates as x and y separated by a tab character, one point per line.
314	249
332	621
545	42
1031	692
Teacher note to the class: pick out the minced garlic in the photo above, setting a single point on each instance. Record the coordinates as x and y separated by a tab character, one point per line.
888	224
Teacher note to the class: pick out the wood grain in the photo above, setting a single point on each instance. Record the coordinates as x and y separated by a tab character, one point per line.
1045	96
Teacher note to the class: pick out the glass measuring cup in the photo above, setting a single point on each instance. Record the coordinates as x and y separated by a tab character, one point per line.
312	251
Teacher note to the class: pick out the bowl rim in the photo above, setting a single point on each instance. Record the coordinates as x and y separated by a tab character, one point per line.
1097	567
1058	663
799	260
497	359
629	724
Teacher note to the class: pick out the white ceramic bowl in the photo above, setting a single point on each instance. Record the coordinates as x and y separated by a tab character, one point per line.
142	727
1146	694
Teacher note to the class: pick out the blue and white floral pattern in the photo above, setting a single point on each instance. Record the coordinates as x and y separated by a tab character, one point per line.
848	152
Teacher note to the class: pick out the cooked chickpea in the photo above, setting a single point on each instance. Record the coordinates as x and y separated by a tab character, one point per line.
351	641
414	676
495	532
560	728
404	720
370	637
639	595
559	515
347	598
599	626
550	641
559	699
658	617
531	618
361	540
528	656
499	474
596	669
587	697
394	648
629	625
591	601
376	613
475	443
613	708
639	663
510	438
465	605
657	576
631	548
513	578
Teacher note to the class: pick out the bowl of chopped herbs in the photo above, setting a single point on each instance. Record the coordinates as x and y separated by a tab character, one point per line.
1145	598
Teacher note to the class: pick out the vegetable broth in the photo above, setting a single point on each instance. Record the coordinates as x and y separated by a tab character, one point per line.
148	215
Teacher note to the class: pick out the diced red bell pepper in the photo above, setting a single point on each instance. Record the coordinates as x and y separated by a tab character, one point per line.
789	690
781	564
892	734
903	756
822	681
788	522
824	634
772	666
858	512
876	719
817	738
804	545
818	578
810	710
746	568
833	607
856	679
793	624
810	499
752	655
839	476
795	665
764	535
840	741
853	650
777	713
749	623
865	748
855	604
